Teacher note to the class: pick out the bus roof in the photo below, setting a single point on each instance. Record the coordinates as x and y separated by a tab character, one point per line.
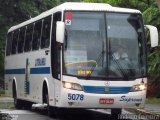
76	6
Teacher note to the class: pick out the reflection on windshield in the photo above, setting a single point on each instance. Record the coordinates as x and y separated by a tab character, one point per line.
107	46
125	41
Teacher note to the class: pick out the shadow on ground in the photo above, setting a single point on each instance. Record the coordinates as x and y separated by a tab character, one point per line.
80	114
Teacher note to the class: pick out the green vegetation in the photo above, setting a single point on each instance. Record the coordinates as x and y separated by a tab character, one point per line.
153	101
13	12
6	105
2	92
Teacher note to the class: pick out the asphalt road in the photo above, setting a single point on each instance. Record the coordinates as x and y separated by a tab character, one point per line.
40	114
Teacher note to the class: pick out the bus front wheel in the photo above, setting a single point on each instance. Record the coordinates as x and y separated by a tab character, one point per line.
17	102
51	111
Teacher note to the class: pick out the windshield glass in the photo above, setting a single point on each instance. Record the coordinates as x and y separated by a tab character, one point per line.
104	45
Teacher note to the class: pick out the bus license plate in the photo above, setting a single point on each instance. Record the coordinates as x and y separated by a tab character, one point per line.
106	101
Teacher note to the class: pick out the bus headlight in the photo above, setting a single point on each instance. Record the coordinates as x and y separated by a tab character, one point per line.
138	87
73	86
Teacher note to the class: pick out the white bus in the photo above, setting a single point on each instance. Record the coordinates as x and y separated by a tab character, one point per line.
79	55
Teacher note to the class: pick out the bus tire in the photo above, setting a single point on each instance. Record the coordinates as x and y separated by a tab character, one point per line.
51	111
17	103
115	112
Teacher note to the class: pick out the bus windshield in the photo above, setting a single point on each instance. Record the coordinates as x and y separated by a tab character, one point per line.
101	45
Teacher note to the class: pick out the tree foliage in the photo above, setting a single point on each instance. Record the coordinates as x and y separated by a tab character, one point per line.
13	12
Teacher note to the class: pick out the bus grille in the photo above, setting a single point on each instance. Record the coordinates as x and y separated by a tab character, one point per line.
106	90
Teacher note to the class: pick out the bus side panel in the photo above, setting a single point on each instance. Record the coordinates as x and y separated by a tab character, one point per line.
29	70
40	71
15	70
8	86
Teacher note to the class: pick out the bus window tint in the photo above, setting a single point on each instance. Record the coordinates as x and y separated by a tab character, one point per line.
28	39
9	41
21	40
46	32
14	41
36	35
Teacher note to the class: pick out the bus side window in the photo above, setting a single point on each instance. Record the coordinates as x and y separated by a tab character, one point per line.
14	41
21	39
55	49
45	40
37	35
28	39
9	44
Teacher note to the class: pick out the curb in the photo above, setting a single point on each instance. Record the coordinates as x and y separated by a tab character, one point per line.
144	112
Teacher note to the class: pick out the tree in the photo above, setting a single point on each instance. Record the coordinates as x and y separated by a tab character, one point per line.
13	12
158	3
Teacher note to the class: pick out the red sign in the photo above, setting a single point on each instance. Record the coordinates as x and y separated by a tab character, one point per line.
106	101
68	16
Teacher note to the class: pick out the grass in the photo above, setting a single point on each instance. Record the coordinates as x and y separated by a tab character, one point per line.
2	93
6	105
153	101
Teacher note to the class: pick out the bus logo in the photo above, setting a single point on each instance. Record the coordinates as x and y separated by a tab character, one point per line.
106	89
107	83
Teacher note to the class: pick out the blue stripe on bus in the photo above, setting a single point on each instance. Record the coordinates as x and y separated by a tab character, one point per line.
15	71
105	90
40	70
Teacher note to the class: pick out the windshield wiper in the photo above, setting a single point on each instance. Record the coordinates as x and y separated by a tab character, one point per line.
94	66
118	65
120	68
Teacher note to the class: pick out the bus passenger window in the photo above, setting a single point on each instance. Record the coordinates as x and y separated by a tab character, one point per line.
36	35
45	40
21	40
9	41
14	41
28	39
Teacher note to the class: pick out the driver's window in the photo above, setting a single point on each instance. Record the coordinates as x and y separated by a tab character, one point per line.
55	49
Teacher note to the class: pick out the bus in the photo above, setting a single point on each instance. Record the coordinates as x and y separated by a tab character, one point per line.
70	57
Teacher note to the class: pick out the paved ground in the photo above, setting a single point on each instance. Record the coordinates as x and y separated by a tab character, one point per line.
148	107
92	114
153	108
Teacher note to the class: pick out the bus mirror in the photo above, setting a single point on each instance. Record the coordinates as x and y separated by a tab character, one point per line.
153	35
60	27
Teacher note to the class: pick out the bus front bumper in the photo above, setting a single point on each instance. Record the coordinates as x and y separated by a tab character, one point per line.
79	99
